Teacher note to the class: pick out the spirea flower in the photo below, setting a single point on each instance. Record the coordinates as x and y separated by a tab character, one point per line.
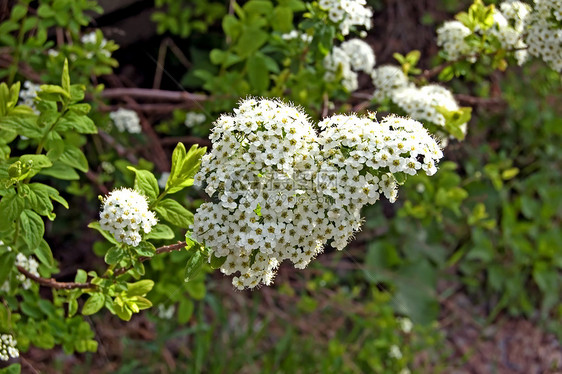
126	120
297	35
421	103
544	35
91	39
126	216
8	347
193	119
387	79
361	55
28	94
338	63
29	264
348	13
281	192
450	36
346	60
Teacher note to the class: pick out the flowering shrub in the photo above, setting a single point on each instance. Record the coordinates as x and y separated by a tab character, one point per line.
283	181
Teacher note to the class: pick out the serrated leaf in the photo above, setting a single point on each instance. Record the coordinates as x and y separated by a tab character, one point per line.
146	183
60	171
73	156
32	228
11	206
45	255
174	213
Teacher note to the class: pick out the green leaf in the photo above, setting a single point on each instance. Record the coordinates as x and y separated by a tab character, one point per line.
60	171
7	260
50	191
73	156
11	207
46	90
12	369
146	183
93	304
185	310
217	262
194	265
184	167
96	226
18	12
114	255
160	231
140	288
79	123
258	73
32	228
22	125
80	109
282	20
250	41
145	249
510	173
174	213
65	79
45	255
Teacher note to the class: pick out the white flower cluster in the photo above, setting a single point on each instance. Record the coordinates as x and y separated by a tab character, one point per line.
193	119
544	35
281	192
350	57
420	103
387	79
348	13
508	28
124	214
361	55
91	39
8	347
28	94
126	120
450	36
29	264
295	34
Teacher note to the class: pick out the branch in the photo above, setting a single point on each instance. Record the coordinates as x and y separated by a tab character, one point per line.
165	249
147	93
52	283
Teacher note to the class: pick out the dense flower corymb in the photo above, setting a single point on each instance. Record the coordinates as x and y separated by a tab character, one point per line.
282	192
125	215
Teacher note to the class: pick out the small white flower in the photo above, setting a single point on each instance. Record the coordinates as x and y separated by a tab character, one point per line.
124	212
193	119
395	352
8	347
406	325
126	120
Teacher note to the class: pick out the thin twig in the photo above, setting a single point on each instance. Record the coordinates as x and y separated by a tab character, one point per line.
166	249
52	283
147	93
